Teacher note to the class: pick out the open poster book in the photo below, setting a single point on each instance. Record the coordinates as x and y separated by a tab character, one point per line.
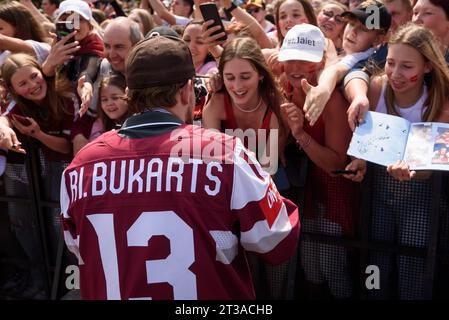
385	139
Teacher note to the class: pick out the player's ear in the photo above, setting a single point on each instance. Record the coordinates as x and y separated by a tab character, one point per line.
187	92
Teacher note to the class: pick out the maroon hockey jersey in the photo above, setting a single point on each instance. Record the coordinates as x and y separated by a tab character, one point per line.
169	216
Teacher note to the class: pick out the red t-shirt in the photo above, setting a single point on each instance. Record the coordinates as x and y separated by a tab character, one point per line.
61	128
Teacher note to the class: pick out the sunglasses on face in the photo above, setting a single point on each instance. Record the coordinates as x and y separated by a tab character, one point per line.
253	10
338	18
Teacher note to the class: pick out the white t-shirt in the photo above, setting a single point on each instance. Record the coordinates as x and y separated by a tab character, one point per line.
42	49
351	60
180	20
269	27
3	56
413	113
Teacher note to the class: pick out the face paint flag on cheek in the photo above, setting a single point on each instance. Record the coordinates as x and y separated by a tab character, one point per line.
414	78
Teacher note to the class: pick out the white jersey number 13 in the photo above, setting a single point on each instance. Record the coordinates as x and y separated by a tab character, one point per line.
173	269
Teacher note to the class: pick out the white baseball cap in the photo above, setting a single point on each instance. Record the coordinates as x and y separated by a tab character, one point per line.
77	6
303	42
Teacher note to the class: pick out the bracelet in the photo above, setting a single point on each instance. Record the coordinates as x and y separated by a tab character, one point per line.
303	145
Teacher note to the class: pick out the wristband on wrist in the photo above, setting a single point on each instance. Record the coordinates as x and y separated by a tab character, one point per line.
304	144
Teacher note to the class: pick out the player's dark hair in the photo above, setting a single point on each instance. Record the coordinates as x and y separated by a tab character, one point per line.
153	97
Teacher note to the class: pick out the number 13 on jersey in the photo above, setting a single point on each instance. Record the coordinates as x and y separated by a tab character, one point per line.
173	270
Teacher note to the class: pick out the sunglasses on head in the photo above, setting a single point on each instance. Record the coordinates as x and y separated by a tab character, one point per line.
338	18
253	10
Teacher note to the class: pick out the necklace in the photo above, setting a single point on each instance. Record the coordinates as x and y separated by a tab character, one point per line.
252	110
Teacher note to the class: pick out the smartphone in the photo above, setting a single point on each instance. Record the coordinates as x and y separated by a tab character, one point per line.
209	11
344	172
23	120
63	28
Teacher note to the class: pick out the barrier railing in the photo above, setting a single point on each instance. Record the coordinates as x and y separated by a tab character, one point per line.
287	281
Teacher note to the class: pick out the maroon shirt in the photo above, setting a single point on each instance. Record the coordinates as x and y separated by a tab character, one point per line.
61	128
146	224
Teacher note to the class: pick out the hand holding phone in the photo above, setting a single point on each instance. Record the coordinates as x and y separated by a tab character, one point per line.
23	120
209	11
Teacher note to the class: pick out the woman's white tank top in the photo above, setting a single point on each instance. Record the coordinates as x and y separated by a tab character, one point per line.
412	114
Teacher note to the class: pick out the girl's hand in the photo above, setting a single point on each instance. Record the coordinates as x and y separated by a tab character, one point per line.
208	38
273	62
359	166
85	91
214	83
401	171
31	130
294	117
357	110
316	100
61	51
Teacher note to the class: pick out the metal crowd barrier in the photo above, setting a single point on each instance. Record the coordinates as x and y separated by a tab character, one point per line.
287	281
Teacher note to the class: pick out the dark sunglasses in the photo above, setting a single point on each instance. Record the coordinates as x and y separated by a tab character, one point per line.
253	10
338	18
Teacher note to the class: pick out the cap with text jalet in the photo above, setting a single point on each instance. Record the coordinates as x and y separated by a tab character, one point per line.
303	42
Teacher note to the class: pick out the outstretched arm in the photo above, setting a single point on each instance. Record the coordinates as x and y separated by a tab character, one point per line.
162	11
16	45
269	224
251	23
332	154
333	73
356	92
317	97
34	11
